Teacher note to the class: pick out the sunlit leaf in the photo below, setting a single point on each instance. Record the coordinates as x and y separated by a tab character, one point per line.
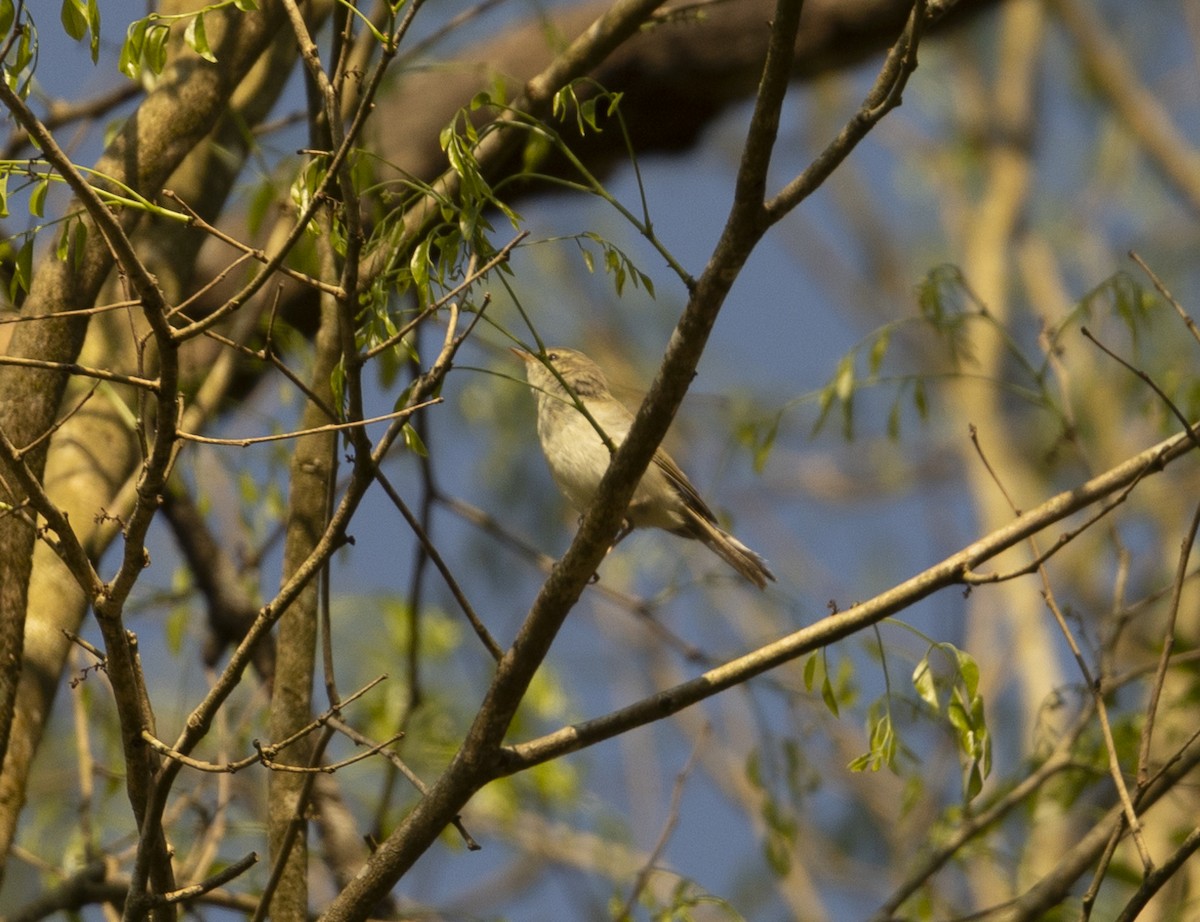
73	16
7	16
196	38
926	685
37	198
413	440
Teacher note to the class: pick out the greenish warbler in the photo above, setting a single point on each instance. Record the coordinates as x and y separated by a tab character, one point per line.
578	458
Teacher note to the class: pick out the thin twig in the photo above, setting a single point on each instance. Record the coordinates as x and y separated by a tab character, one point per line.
255	253
413	778
300	433
647	868
85	371
1110	745
59	315
1093	685
264	753
1164	658
1162	290
1154	881
1195	436
1040	557
456	590
224	876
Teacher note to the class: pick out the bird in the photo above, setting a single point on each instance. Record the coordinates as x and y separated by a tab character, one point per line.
578	457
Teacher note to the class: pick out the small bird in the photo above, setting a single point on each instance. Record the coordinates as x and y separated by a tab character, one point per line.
578	458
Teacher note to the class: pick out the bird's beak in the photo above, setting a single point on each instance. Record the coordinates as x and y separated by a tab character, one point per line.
522	354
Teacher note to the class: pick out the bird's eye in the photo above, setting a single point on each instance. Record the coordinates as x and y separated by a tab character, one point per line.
552	356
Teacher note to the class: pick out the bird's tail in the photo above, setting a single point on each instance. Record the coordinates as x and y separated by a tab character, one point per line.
731	550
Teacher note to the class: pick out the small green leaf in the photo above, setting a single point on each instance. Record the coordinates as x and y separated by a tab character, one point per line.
419	267
559	105
413	440
37	198
197	38
829	697
878	350
587	115
246	6
969	670
920	400
925	684
23	268
7	16
93	17
843	379
129	62
78	243
62	248
156	47
974	782
18	75
73	16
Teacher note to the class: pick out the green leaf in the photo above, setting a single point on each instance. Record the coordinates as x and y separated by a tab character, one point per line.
246	6
197	38
23	268
878	350
829	696
419	267
969	670
587	115
926	685
843	379
156	47
78	19
18	74
920	400
129	62
4	194
7	16
413	440
78	243
93	16
37	198
62	248
73	16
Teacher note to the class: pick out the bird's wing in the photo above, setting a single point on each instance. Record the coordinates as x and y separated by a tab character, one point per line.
678	479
